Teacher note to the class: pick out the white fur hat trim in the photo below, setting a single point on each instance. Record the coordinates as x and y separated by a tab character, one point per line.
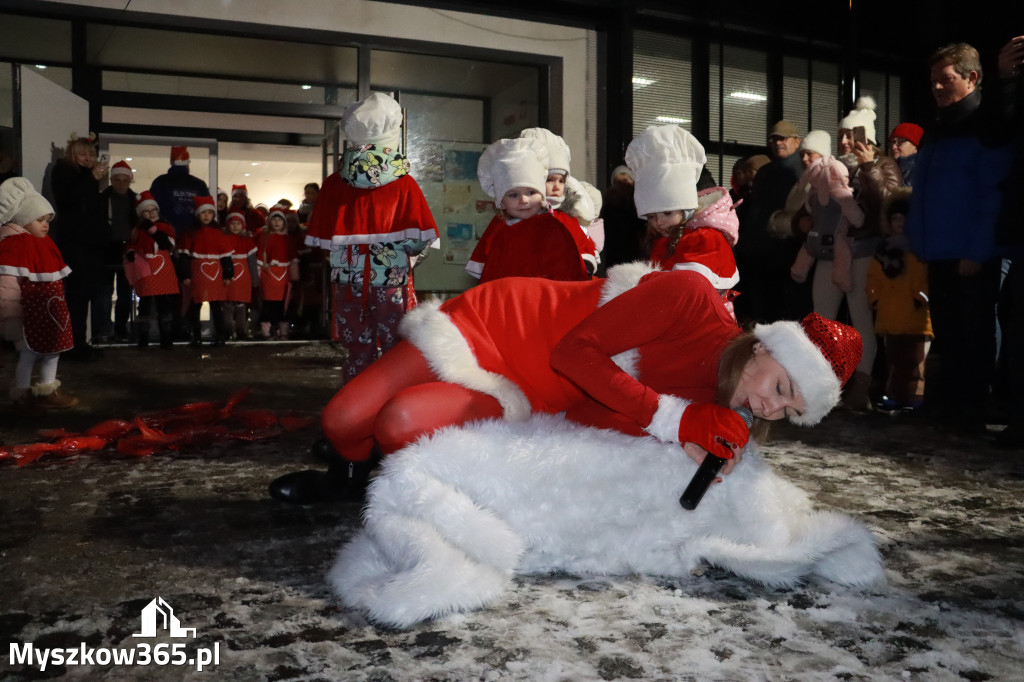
809	369
506	164
666	162
558	151
374	120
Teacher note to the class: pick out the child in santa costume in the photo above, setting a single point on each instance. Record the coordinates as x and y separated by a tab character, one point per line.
279	271
375	221
207	266
686	229
150	269
245	278
527	239
254	220
642	352
33	312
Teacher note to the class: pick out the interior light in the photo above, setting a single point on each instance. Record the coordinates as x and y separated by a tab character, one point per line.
255	163
749	96
41	67
671	119
127	158
246	174
641	82
306	87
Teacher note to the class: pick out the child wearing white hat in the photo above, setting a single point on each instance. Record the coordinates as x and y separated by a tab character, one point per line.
374	220
33	311
687	229
558	163
527	239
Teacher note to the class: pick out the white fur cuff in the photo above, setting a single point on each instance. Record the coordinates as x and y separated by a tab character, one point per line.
665	424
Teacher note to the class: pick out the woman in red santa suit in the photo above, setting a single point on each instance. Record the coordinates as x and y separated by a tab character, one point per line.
646	353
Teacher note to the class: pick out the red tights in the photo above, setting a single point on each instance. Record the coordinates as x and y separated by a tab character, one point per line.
396	400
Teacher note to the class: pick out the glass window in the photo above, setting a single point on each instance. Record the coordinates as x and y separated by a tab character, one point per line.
204	119
739	93
224	88
662	76
810	91
259	58
796	77
885	89
35	39
825	97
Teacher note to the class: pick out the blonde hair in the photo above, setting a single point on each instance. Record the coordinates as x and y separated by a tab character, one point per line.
80	143
731	365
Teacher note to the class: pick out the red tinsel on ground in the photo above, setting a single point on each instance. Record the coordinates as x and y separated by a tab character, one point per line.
190	425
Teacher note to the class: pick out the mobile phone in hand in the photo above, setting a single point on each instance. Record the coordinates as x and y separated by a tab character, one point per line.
860	135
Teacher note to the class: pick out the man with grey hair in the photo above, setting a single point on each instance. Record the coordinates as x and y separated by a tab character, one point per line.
963	160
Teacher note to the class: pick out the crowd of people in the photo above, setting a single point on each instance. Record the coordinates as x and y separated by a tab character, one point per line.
902	236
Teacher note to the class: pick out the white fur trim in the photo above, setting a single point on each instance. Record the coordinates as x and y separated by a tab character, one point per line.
451	358
717	281
622	278
807	367
41	390
665	424
450	518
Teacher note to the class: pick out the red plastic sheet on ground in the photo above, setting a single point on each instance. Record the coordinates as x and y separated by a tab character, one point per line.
193	425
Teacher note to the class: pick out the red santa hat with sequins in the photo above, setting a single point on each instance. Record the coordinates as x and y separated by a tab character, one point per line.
820	356
666	162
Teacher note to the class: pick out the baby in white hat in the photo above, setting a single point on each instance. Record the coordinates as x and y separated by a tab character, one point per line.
527	239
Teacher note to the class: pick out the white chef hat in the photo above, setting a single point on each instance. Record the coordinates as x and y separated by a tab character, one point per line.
558	150
374	120
666	162
506	164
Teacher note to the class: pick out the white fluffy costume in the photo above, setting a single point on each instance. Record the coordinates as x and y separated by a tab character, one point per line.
451	518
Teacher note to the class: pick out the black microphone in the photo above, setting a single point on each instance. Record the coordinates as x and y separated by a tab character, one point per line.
708	470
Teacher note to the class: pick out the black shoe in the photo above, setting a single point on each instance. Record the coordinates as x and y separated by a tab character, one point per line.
324	451
340	483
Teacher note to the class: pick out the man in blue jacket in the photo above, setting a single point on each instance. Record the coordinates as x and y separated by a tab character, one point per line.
175	190
963	161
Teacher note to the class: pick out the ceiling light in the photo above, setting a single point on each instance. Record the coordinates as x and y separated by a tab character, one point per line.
641	82
127	158
246	174
41	66
306	87
672	119
749	96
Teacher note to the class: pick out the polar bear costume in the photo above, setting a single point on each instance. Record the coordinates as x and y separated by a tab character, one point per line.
451	518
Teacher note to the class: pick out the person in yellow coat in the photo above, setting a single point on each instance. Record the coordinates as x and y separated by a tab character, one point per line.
898	292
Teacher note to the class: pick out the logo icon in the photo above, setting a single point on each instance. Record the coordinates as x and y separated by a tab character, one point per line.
158	608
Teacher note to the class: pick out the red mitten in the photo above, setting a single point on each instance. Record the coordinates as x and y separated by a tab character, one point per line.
711	427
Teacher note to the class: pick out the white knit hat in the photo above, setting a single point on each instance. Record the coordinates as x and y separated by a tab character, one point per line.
506	164
20	203
863	114
374	120
818	141
558	150
666	162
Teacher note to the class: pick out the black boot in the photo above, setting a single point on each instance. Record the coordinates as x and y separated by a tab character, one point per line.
342	482
142	327
166	332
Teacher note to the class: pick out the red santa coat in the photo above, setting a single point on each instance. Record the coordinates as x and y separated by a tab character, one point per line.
242	246
549	245
605	351
702	250
207	245
162	279
36	269
277	258
345	215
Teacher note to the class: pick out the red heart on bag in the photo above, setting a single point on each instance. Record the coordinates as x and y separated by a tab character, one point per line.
156	263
